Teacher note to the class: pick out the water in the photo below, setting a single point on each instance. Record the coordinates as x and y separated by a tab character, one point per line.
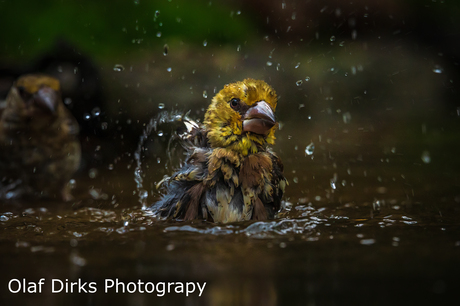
309	150
348	245
118	68
165	118
374	214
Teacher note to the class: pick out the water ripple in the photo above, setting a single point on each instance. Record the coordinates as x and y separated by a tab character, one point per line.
261	229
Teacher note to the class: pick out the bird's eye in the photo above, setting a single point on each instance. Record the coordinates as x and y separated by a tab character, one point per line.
234	103
22	92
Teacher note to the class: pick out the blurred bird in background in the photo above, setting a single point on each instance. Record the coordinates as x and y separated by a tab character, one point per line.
230	172
82	92
39	145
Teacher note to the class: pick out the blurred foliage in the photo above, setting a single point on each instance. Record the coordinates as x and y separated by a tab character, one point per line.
111	28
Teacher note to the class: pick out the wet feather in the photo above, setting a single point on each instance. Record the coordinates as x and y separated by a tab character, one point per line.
230	174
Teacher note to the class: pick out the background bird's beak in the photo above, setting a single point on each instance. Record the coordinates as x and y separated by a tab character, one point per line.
259	119
46	99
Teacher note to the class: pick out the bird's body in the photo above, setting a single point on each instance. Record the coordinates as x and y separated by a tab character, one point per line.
39	146
230	173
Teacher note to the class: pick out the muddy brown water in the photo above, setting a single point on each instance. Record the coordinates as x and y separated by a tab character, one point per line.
371	212
371	216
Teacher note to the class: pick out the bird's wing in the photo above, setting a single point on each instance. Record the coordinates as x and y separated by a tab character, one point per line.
185	188
194	135
278	183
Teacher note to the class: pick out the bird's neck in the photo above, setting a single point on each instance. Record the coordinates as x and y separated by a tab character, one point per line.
248	144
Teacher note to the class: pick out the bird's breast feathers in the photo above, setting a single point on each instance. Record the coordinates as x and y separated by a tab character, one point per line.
231	174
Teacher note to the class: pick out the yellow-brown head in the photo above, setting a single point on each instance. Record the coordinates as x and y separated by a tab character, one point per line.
241	117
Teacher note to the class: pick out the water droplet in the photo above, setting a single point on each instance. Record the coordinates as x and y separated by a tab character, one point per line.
297	66
75	70
354	35
136	2
426	158
157	13
161	105
160	133
205	94
165	49
353	70
143	194
92	173
295	180
437	69
376	205
299	82
342	43
4	218
169	69
332	38
367	241
72	184
333	186
205	43
307	79
310	149
86	116
96	112
118	67
346	117
269	63
158	34
238	48
110	167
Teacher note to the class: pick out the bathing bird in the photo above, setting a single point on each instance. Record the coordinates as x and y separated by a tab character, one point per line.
230	173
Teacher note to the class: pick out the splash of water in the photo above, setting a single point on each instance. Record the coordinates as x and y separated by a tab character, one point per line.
153	126
261	229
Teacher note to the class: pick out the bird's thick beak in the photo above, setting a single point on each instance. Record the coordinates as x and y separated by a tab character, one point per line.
259	119
46	99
